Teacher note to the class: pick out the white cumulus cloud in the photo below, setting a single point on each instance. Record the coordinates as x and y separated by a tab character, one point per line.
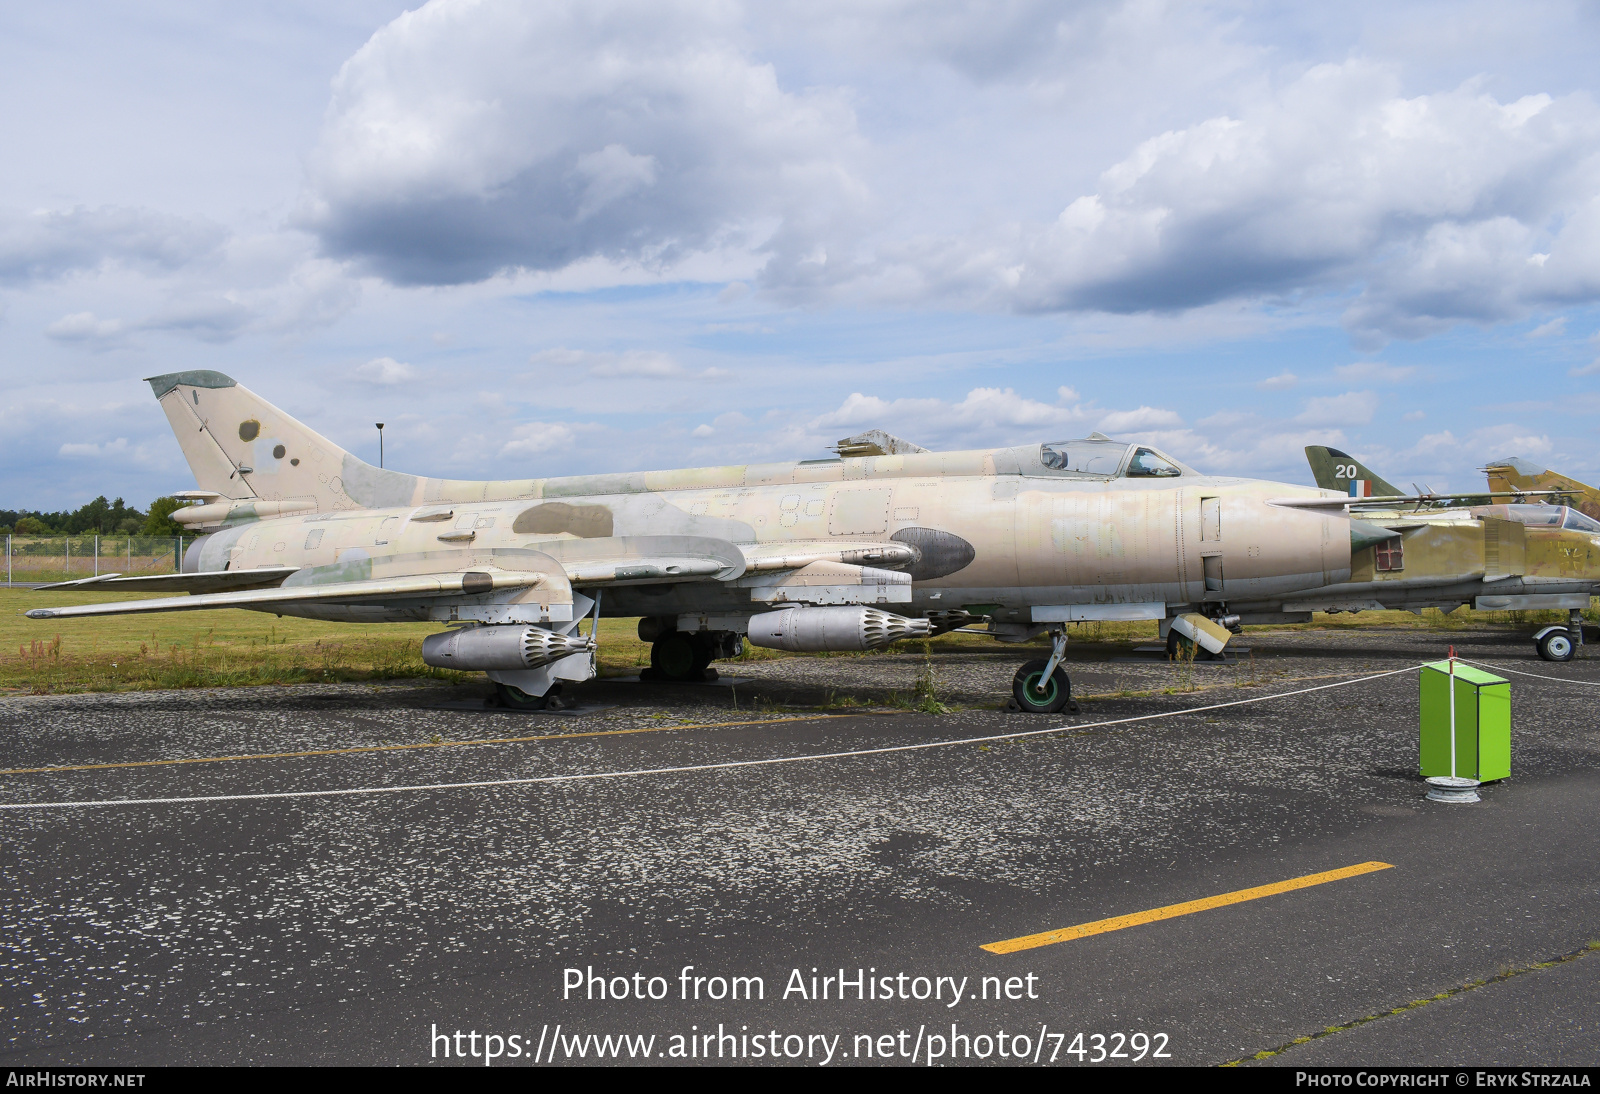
118	448
636	364
1351	408
533	438
1374	372
473	136
385	372
85	326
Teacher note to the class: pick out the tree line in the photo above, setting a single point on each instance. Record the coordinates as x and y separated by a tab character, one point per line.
98	517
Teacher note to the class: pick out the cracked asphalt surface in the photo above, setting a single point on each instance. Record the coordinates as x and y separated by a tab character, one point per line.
346	929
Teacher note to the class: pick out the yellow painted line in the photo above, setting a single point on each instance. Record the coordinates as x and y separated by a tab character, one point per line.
423	744
1171	911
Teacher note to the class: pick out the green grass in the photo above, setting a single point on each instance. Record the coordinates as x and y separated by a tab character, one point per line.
234	647
193	649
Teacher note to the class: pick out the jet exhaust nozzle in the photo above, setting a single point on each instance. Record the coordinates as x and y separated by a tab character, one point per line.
818	630
502	646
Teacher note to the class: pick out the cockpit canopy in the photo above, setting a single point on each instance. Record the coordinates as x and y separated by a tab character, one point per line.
1101	457
1540	516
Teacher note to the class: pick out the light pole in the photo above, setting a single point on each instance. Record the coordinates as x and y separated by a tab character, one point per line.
380	443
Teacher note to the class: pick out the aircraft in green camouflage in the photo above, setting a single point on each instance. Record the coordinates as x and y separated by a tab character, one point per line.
881	542
1445	551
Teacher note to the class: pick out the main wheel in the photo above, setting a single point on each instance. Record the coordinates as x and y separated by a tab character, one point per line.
678	656
514	698
705	652
1557	646
1037	695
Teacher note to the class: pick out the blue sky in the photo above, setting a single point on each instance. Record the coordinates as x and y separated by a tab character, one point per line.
544	238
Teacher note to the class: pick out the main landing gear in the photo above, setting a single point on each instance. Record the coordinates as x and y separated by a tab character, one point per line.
1042	687
685	657
512	697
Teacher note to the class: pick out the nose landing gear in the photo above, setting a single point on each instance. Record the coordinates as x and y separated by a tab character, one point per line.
1561	643
1042	687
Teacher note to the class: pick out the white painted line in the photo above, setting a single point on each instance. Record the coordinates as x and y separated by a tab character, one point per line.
687	769
1535	675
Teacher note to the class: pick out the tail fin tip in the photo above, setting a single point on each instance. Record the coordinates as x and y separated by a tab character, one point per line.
194	378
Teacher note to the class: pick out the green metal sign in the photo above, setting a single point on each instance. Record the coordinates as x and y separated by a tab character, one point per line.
1482	723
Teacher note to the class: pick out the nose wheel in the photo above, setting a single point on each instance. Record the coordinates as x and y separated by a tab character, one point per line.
1042	687
1561	643
1557	645
1038	693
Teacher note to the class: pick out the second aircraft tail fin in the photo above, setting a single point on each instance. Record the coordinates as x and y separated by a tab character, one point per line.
1335	470
1514	474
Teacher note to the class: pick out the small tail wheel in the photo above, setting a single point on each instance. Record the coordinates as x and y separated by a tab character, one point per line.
1557	646
514	698
1037	694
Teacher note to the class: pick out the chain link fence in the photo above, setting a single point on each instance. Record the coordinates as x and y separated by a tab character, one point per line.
36	560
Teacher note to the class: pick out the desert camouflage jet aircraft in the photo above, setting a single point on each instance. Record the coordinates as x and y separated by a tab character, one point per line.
882	542
1445	551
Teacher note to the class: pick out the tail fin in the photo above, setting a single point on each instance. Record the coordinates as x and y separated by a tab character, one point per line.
1513	474
1335	470
242	447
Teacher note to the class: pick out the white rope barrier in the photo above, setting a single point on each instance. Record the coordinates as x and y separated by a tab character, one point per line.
691	768
1535	675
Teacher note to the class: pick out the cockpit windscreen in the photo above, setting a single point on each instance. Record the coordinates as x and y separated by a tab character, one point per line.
1147	463
1580	522
1084	457
1541	516
1106	458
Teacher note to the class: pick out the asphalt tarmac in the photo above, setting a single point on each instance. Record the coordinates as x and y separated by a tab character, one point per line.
369	928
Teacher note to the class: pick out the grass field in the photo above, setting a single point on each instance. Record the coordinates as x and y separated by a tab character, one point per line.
233	647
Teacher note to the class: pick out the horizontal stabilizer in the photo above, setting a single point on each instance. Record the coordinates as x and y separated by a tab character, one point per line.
214	581
214	514
419	585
